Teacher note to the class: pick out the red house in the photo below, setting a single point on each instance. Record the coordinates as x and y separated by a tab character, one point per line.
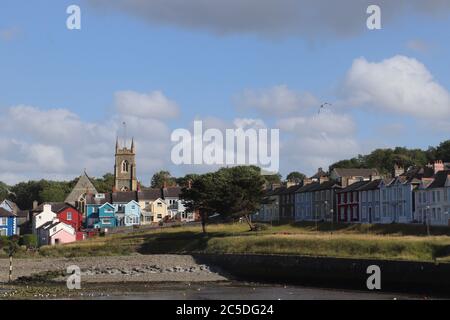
348	202
71	216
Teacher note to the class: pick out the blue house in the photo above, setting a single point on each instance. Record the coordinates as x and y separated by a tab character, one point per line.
132	214
100	213
8	223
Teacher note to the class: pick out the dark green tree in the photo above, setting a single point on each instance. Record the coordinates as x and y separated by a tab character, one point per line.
296	177
162	178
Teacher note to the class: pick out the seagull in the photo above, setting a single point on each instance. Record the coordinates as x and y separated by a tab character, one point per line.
324	105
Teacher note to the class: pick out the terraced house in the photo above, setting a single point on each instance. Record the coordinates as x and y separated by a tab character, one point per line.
433	200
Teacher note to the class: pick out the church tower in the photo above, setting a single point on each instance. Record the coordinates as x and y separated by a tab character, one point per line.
125	168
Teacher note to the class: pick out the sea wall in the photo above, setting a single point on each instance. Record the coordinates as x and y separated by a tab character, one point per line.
332	272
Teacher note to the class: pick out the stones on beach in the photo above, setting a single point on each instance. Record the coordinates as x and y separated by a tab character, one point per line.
139	270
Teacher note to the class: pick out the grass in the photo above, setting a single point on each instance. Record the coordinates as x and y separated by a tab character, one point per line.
350	241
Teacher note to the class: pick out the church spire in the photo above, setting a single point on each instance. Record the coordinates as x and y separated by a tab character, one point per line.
117	144
132	146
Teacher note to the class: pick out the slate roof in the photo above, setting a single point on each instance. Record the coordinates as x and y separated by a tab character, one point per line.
371	185
354	186
13	206
354	172
439	179
149	194
83	186
319	174
309	187
56	207
93	199
172	192
124	197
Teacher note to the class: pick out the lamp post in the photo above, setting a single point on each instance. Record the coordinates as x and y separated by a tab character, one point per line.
428	220
332	220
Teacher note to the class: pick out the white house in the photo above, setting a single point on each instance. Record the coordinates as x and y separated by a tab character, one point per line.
46	215
433	200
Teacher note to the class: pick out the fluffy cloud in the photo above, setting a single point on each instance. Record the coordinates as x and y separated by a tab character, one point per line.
400	85
151	105
278	100
310	18
40	143
317	140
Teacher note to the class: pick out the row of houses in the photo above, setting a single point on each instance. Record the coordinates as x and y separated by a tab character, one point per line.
56	223
416	195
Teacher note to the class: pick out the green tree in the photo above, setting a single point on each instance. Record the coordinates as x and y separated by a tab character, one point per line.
296	177
3	191
443	151
104	184
242	192
204	196
162	178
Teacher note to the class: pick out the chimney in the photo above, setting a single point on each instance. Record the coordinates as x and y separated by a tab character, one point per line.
35	204
165	185
47	207
438	166
189	184
307	181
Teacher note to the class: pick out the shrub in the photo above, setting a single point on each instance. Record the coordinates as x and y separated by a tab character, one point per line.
29	241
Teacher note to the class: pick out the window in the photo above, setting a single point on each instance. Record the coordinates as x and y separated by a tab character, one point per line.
106	221
364	212
125	166
3	231
159	204
342	213
133	207
159	216
377	212
69	216
438	196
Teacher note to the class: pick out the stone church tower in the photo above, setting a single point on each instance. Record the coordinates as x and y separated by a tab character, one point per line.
125	168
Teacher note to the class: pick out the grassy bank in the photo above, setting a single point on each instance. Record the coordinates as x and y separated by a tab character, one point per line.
355	241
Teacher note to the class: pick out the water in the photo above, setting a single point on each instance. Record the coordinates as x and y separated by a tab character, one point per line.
237	291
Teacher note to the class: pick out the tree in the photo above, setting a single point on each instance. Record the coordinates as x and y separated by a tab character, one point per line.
443	151
104	184
162	178
3	191
243	192
203	196
296	177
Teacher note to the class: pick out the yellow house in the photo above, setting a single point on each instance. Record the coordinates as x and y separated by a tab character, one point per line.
153	207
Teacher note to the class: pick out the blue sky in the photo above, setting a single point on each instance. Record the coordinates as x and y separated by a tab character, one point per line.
203	66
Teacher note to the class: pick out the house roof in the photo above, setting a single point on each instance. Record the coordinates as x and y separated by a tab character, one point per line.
440	179
56	207
95	199
371	185
327	185
5	213
319	174
354	186
124	197
355	172
83	186
15	208
151	194
291	189
171	192
309	187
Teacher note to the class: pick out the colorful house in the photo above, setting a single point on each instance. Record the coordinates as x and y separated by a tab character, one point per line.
370	201
348	203
106	217
128	212
71	216
93	204
145	199
8	226
42	217
56	232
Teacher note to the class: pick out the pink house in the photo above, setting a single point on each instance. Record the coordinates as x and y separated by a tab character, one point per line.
56	232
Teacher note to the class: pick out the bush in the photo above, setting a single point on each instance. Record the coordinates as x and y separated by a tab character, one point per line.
29	241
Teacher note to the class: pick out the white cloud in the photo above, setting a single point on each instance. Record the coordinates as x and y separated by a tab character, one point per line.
278	100
151	105
38	143
48	158
400	85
